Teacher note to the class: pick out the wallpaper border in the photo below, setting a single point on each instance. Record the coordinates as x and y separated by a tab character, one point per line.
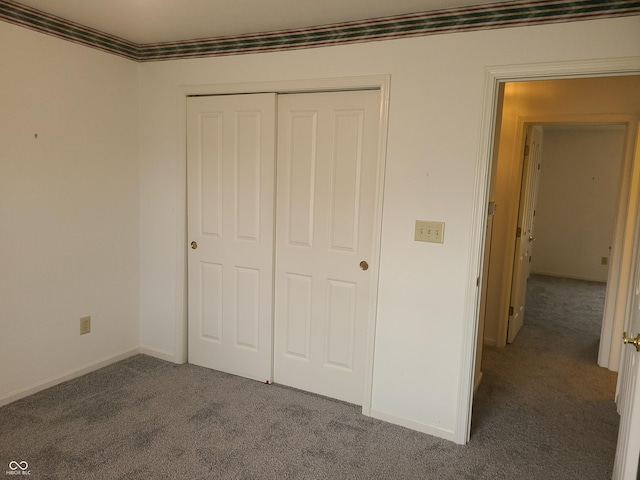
492	16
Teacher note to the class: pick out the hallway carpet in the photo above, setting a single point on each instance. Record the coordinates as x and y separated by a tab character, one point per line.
544	411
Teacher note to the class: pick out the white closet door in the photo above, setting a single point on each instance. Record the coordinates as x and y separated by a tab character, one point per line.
327	167
230	170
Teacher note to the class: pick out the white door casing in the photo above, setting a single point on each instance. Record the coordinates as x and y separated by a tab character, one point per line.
626	464
230	172
327	176
493	77
525	236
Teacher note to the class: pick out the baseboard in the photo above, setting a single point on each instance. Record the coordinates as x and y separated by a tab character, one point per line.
477	383
38	387
160	354
489	342
413	425
572	277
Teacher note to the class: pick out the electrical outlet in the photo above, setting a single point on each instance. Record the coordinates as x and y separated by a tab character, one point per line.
85	325
604	260
429	231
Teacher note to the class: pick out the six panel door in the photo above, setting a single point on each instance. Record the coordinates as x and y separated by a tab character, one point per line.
230	175
327	163
327	153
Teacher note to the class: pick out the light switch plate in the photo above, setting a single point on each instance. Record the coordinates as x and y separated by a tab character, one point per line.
427	231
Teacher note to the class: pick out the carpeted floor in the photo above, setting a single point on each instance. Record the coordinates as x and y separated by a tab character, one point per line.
544	411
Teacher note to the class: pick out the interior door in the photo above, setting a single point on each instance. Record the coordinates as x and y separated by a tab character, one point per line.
230	175
327	168
626	465
525	230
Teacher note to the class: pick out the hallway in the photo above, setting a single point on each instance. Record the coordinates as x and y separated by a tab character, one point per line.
543	397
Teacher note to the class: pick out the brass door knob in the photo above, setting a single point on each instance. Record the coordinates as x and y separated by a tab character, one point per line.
632	341
364	265
194	244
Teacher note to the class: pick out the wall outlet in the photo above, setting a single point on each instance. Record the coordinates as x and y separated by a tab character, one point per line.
429	231
604	260
85	325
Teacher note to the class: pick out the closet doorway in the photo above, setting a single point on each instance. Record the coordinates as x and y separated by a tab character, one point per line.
282	222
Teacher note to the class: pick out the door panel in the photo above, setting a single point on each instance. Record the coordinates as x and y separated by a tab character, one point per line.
327	167
345	182
211	315
526	225
300	178
297	316
341	323
230	175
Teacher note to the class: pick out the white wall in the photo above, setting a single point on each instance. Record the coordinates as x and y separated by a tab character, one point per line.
69	208
437	86
577	201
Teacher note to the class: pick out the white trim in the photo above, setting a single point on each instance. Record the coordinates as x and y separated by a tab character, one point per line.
413	425
571	277
70	375
625	465
571	69
489	342
617	306
377	82
477	238
160	354
494	75
376	246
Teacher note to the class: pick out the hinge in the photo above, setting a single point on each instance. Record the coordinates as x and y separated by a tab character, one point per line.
510	311
526	149
491	210
518	232
478	282
538	166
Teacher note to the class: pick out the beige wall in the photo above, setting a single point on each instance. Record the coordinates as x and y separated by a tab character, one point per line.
577	201
436	105
565	101
69	213
99	198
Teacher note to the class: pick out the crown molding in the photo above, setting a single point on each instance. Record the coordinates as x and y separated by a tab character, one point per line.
497	15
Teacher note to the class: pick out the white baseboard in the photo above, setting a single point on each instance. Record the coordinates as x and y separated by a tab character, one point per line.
572	277
25	392
413	425
160	354
489	342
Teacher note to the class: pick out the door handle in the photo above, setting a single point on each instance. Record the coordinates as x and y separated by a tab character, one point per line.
194	244
632	341
364	265
532	239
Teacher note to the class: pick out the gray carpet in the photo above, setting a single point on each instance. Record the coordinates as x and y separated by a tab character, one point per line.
544	411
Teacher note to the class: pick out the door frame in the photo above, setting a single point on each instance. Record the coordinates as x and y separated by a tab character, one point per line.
619	269
377	82
493	77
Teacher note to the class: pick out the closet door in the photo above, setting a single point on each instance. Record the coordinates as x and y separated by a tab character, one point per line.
230	175
327	165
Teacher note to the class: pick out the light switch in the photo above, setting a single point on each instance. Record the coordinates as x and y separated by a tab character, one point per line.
429	231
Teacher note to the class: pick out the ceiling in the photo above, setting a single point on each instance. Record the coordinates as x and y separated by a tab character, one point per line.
155	21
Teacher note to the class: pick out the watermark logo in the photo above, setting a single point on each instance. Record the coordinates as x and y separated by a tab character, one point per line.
18	468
